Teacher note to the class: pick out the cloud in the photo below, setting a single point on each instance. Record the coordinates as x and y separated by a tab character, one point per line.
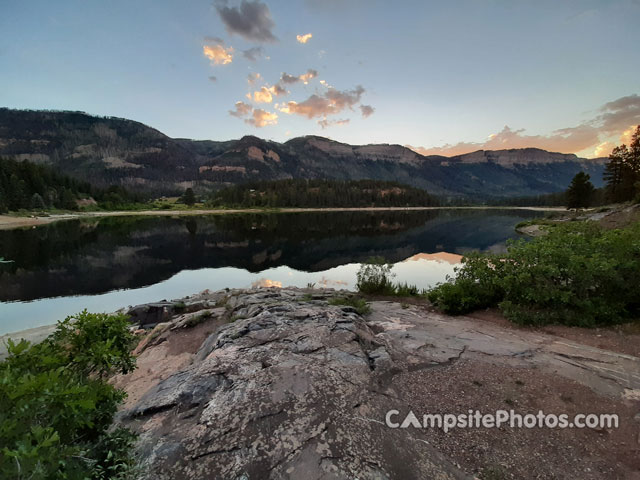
252	78
367	110
604	149
566	140
253	54
615	120
625	137
266	94
330	103
263	95
618	115
286	78
324	123
262	118
304	38
215	50
242	110
252	21
304	78
278	90
213	79
259	117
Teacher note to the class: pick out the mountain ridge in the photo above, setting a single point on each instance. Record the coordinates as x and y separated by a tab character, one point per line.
113	150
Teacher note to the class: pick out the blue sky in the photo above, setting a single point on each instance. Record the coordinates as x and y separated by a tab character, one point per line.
445	76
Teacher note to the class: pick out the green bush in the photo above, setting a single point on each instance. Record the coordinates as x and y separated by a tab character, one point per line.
374	277
56	406
578	274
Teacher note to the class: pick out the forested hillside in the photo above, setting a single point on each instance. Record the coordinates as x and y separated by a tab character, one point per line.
323	193
25	185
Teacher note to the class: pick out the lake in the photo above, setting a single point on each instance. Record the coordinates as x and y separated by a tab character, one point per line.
108	263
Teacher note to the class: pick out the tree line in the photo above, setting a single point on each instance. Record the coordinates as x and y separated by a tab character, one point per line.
322	193
622	173
29	186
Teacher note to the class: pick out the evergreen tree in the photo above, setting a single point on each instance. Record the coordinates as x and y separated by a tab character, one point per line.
614	173
189	198
68	200
37	203
3	201
21	181
622	173
580	192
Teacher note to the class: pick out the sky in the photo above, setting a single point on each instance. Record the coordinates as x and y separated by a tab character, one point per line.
442	77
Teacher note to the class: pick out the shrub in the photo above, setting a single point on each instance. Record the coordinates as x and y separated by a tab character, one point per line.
56	407
374	277
578	274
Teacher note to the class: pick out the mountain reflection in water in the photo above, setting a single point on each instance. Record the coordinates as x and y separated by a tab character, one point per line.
117	261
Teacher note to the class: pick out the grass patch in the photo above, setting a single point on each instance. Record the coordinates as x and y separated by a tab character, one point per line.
179	307
359	304
198	319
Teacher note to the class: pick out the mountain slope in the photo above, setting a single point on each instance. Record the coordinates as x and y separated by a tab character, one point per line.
108	150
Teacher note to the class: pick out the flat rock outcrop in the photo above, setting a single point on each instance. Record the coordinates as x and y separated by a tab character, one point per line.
292	384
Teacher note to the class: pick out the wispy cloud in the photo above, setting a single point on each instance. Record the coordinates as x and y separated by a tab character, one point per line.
304	38
253	54
304	78
620	114
257	116
614	121
252	78
324	123
242	110
367	110
215	50
564	140
251	20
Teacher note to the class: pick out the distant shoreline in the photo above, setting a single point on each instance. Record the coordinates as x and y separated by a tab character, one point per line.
8	222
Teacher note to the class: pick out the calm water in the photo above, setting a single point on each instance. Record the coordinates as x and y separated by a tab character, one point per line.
105	264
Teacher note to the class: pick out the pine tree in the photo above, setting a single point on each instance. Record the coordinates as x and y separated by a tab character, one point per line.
622	173
68	200
580	192
613	173
189	198
37	203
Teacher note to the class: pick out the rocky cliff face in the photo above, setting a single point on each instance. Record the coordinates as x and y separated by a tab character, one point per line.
107	150
520	156
283	384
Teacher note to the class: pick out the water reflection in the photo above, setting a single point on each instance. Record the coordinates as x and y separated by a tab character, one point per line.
112	262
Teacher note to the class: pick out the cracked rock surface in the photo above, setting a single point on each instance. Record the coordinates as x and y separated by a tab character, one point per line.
281	384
